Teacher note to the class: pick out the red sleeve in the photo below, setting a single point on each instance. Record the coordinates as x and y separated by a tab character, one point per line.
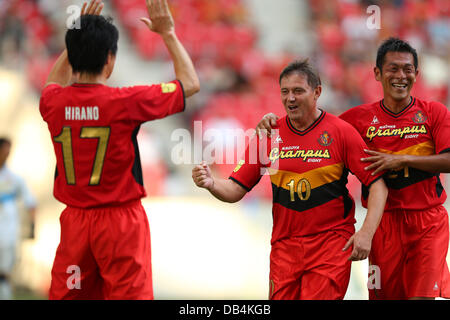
440	127
250	168
145	103
354	147
48	92
350	116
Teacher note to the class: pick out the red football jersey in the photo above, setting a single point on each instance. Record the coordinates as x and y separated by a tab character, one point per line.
421	128
93	128
308	171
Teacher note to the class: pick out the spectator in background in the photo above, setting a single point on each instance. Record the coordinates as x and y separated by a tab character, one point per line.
12	189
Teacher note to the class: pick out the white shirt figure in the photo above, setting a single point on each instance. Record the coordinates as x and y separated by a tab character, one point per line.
12	190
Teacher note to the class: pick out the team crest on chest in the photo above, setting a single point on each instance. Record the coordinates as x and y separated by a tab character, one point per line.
419	117
325	139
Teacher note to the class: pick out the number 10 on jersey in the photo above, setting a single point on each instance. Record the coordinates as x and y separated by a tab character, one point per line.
303	189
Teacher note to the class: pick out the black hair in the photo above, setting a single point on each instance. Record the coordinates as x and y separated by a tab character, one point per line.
395	45
89	45
305	68
3	141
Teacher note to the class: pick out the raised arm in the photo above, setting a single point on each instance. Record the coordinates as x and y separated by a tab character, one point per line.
223	189
61	72
162	23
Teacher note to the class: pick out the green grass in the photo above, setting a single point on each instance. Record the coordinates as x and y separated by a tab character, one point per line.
21	293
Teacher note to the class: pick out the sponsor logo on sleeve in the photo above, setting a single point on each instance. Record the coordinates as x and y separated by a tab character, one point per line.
239	165
168	87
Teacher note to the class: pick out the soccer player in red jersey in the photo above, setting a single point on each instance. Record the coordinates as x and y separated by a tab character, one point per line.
313	213
104	250
409	140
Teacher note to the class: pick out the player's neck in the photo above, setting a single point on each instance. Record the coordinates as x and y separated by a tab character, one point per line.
305	122
396	105
90	78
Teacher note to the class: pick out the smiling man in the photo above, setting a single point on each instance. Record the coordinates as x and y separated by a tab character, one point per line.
313	213
409	140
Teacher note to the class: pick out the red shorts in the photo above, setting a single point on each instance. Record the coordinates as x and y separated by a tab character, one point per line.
104	253
409	251
310	268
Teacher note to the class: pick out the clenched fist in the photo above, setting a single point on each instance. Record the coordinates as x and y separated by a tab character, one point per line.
201	174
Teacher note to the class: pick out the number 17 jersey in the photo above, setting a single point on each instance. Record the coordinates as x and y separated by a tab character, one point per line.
94	130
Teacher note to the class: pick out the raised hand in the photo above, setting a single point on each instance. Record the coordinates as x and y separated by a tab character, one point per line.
161	20
266	124
95	8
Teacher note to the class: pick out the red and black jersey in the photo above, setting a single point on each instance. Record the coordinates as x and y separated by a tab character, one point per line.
421	128
94	128
308	171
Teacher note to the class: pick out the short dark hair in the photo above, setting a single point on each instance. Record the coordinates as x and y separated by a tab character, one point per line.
395	45
89	45
4	140
305	68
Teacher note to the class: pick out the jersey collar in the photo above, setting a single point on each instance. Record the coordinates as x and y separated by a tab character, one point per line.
310	128
398	114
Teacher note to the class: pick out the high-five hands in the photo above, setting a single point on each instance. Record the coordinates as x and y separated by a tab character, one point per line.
95	8
161	20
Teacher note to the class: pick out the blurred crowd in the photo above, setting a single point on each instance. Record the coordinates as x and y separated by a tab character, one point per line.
346	47
239	80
